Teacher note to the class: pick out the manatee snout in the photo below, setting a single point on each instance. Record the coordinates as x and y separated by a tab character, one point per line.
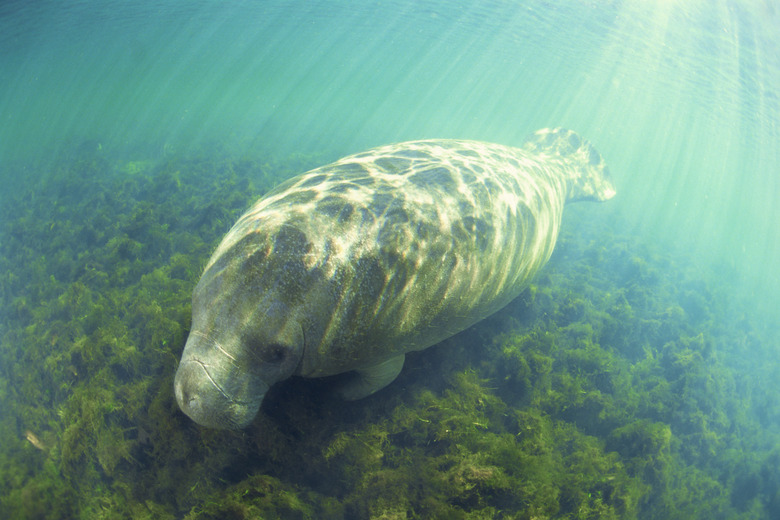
208	400
237	348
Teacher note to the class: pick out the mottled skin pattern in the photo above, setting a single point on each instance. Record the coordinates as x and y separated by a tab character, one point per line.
353	264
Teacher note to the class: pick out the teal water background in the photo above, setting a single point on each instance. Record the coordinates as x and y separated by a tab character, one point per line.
682	99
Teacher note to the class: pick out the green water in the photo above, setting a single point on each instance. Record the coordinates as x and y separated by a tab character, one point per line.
637	378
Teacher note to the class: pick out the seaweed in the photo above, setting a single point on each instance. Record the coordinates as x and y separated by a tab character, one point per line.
622	384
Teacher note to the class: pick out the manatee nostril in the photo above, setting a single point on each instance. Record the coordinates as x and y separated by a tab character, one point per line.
185	386
193	399
186	397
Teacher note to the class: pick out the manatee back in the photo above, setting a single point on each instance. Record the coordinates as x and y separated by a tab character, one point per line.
416	241
407	244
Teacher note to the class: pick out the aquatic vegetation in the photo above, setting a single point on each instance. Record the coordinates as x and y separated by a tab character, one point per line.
614	387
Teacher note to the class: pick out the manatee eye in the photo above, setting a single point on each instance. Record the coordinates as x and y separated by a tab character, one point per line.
274	353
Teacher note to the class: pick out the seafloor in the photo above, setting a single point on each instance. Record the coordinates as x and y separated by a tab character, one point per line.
621	385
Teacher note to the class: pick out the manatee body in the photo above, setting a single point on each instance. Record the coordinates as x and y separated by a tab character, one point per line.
351	265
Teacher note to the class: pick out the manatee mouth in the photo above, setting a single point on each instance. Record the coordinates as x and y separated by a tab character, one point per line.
207	403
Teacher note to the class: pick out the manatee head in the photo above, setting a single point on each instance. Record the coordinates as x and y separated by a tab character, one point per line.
245	336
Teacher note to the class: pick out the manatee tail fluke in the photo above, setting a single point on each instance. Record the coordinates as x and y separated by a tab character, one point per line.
588	176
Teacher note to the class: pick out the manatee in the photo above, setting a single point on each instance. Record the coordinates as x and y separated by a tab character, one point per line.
349	266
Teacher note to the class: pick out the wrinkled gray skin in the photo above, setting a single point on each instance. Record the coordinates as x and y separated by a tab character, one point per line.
353	264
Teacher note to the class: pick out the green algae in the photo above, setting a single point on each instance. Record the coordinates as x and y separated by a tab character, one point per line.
609	389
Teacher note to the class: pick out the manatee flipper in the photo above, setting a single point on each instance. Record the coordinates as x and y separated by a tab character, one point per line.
367	380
